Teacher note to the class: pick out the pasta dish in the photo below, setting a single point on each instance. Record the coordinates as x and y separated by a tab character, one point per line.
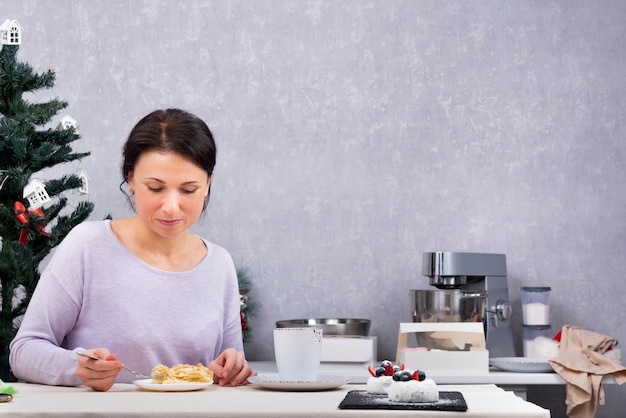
181	373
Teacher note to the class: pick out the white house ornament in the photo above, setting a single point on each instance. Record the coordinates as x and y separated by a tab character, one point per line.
36	194
84	181
67	122
11	32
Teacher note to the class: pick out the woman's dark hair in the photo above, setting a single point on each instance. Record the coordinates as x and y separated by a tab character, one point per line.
171	130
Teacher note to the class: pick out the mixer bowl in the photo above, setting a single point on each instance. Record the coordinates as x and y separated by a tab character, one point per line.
344	327
448	305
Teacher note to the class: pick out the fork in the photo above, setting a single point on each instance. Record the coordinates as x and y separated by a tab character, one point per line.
143	376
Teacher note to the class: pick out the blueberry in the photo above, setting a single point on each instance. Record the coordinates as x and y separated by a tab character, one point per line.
380	371
396	369
397	376
421	375
385	363
405	375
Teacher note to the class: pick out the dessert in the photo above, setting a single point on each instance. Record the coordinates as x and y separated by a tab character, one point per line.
400	384
378	385
382	377
410	386
181	373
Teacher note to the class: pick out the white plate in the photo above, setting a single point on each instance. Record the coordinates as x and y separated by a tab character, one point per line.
172	387
522	364
269	381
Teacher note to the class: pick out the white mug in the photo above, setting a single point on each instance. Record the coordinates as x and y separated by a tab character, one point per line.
298	352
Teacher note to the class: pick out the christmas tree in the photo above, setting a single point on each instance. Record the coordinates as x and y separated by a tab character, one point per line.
248	307
28	145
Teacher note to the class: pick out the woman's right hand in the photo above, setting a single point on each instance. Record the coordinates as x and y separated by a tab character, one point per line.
98	374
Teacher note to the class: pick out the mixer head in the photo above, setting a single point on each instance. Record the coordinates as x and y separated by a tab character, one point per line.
448	282
453	270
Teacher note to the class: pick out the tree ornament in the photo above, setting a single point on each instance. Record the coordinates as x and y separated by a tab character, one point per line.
36	193
84	181
67	122
11	32
27	216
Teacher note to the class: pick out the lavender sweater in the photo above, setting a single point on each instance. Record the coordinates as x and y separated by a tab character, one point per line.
96	293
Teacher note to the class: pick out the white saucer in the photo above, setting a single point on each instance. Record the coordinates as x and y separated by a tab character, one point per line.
522	364
173	387
323	382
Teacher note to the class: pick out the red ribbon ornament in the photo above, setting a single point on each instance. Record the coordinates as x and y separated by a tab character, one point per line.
22	215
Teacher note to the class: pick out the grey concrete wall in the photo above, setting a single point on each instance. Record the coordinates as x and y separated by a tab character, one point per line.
355	135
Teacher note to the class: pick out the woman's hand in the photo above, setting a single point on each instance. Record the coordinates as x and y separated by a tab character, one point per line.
98	374
231	367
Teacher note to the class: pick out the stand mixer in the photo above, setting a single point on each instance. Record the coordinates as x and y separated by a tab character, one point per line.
463	280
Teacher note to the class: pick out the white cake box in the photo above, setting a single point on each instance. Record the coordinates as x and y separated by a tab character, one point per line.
453	347
347	356
361	350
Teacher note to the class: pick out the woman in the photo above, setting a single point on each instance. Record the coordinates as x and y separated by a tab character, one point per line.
139	291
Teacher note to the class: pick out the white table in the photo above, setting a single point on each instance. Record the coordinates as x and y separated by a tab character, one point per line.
126	400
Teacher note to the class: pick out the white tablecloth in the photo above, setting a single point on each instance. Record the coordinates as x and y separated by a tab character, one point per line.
126	400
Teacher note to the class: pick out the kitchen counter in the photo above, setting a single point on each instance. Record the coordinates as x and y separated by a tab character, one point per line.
126	400
516	382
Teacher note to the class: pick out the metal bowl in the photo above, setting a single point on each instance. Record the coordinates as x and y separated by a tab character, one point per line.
448	305
344	327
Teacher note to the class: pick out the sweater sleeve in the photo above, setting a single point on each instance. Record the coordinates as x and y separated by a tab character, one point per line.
36	354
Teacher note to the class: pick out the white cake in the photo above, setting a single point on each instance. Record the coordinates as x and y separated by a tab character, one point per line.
413	391
378	385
